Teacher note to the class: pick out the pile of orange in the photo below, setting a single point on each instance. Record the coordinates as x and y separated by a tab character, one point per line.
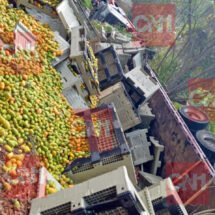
21	63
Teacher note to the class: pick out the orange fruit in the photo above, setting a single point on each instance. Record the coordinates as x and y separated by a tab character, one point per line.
19	163
8	164
25	77
2	85
13	173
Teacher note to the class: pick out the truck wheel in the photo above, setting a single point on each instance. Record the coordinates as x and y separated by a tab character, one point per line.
206	139
194	118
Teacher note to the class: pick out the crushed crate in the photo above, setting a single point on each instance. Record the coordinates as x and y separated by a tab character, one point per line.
107	194
108	146
110	70
126	112
139	85
139	146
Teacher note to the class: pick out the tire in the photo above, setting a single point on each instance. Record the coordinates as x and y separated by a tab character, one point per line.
194	118
206	139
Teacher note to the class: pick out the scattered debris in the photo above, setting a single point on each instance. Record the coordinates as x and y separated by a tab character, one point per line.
102	105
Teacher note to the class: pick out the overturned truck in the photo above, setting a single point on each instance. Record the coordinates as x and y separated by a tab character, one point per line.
182	159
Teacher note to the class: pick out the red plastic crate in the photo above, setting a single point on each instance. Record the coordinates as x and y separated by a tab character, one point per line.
110	134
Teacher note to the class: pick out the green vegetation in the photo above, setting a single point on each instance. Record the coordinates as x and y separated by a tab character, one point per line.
87	4
109	28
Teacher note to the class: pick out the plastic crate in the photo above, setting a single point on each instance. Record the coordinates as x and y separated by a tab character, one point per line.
71	80
89	75
138	59
140	147
47	9
110	70
158	149
111	14
126	112
83	17
145	112
74	99
24	38
108	194
146	179
108	149
44	177
133	47
67	15
139	85
63	46
162	199
78	42
55	24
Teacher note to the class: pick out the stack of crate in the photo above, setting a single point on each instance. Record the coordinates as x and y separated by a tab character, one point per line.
107	194
112	194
